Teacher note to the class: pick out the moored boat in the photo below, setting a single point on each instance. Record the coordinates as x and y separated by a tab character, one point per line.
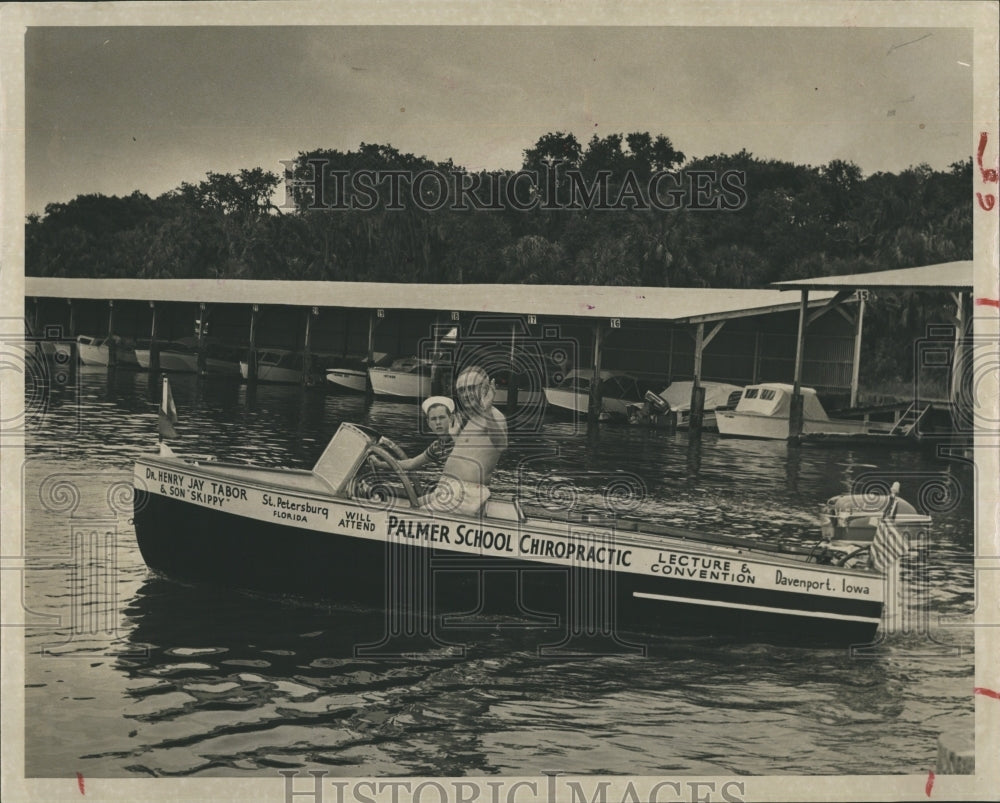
406	378
282	366
572	394
323	533
181	356
97	351
676	397
763	411
355	379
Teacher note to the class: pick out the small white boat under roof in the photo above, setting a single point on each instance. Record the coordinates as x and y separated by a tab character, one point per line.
764	410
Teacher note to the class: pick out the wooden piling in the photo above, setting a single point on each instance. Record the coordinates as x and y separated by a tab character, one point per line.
74	355
307	345
512	380
856	362
112	346
154	346
252	348
697	391
795	411
202	326
594	405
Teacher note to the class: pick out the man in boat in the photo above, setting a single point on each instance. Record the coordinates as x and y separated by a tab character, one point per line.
464	484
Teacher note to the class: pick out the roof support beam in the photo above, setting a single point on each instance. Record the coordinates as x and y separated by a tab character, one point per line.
833	303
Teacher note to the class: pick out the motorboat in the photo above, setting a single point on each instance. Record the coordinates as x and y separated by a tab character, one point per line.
405	378
282	366
174	356
341	531
97	351
352	373
528	393
572	394
93	350
181	356
355	379
763	411
856	517
676	398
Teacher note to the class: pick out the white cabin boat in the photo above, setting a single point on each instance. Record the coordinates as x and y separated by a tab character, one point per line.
355	379
406	378
618	391
763	411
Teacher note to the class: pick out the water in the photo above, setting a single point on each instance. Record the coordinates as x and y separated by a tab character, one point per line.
131	675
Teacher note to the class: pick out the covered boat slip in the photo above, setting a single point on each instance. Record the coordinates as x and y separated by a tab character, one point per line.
956	278
660	335
311	534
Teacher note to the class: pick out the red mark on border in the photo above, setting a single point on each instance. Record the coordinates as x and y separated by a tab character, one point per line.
986	692
987	302
930	784
988	175
79	782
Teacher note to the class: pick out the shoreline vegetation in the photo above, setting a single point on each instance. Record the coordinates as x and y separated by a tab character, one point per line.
574	214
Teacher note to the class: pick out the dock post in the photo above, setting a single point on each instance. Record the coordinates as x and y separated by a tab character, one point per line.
74	354
252	348
856	363
756	359
154	347
697	391
795	413
670	358
202	326
307	345
370	361
112	347
594	405
512	380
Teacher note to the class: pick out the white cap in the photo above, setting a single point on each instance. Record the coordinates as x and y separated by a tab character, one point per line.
436	400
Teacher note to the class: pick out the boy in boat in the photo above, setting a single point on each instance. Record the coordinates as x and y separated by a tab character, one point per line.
464	484
443	423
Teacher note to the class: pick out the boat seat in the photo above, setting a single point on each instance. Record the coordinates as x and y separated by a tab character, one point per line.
509	509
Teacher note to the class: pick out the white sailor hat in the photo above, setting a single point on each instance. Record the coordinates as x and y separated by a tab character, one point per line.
435	400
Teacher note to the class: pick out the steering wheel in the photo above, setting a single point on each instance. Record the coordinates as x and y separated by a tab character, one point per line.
377	459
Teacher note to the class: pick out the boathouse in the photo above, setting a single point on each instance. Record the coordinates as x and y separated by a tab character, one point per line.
658	334
946	346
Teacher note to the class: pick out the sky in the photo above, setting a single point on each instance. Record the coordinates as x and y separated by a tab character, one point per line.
113	110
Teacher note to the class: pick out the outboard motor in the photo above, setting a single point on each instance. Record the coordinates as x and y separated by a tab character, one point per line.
657	404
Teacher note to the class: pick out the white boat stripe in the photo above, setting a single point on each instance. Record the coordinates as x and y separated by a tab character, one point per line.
763	608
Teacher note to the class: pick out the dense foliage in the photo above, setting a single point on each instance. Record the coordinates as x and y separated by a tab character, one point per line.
795	221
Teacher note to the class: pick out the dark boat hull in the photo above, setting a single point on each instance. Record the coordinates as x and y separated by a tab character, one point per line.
205	544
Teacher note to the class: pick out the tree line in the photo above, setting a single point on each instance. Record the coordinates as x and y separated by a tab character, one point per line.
787	221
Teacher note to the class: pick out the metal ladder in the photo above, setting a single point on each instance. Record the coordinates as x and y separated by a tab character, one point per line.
909	419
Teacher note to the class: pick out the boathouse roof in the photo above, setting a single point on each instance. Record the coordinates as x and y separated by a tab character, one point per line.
953	276
676	304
